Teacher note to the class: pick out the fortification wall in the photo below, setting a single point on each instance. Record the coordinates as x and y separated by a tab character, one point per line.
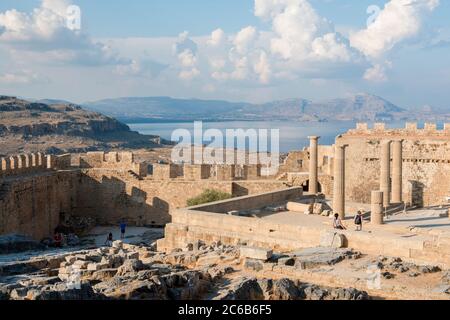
298	161
23	164
220	172
110	196
32	204
426	162
117	161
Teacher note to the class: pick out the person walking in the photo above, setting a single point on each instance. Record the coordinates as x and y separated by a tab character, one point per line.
359	221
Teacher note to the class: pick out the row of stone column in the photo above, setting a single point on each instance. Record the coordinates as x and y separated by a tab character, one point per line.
392	193
339	174
391	189
386	191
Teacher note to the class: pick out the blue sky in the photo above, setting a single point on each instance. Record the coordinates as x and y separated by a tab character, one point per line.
252	50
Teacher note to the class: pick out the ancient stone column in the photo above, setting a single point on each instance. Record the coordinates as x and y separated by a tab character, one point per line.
377	207
397	171
385	176
339	181
314	165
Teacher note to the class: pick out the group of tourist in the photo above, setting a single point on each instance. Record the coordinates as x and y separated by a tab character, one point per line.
110	239
337	222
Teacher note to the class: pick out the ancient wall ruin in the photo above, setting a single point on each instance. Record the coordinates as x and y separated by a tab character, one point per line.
426	162
35	190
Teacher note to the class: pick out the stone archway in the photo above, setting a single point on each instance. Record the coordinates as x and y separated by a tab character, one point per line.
305	186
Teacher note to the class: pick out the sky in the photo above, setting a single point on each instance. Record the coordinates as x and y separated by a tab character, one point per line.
236	50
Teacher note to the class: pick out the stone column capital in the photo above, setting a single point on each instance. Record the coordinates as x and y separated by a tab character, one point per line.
314	137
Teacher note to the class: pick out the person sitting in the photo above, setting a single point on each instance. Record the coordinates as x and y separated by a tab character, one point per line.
57	240
337	223
109	240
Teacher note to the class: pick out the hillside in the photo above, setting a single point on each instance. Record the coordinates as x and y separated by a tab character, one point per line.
359	107
55	128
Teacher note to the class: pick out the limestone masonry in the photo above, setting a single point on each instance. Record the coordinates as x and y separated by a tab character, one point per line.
379	167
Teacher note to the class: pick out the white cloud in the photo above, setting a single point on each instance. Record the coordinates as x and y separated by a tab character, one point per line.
44	31
186	51
263	68
300	33
244	40
376	74
398	21
217	38
332	47
189	74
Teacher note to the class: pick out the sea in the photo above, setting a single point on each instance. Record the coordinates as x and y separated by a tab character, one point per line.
293	135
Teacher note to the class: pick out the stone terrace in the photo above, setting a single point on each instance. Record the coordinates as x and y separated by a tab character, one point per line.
422	240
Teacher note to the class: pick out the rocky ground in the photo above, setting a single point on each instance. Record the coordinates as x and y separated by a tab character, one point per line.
211	272
139	272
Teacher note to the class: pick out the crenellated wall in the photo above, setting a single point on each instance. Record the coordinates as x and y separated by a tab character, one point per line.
411	129
426	162
193	172
118	161
37	189
32	163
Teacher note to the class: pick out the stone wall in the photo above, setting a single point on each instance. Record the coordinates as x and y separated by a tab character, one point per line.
32	163
117	161
32	204
111	196
426	162
200	223
251	202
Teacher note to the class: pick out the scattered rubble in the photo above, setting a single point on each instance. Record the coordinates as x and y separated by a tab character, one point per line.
285	289
125	271
397	265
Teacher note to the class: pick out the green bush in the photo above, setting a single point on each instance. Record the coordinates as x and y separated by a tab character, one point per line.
207	197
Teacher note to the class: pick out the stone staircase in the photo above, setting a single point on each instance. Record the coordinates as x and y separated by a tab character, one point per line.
282	177
135	175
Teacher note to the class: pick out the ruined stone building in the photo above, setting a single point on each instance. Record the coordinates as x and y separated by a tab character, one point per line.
409	165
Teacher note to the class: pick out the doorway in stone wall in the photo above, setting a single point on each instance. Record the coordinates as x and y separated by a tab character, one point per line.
305	186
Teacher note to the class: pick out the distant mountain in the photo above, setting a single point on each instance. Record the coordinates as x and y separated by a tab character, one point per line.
164	108
359	107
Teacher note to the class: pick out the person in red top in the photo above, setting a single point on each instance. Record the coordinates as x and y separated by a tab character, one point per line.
57	238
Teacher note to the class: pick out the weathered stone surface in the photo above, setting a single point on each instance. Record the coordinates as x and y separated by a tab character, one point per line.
299	207
318	208
244	289
118	244
332	239
254	265
103	274
130	266
255	253
286	261
316	257
285	289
